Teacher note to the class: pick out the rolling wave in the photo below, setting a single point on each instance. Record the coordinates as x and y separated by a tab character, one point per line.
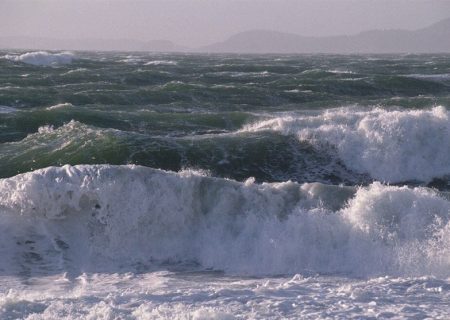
108	217
267	156
389	145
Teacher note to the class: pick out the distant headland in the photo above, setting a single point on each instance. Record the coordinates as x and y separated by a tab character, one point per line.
432	39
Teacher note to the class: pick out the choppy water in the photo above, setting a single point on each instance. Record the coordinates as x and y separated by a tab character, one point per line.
290	186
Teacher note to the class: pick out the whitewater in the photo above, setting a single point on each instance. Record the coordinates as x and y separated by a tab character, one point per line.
160	186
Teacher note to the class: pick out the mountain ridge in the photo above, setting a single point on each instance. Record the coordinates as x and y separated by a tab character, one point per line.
434	38
430	39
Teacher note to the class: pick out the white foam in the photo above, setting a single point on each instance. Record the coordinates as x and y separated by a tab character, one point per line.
161	63
77	70
341	71
109	216
435	77
6	109
131	59
42	58
60	106
391	146
46	129
167	295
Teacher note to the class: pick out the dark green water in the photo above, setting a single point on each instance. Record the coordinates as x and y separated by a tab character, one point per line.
196	111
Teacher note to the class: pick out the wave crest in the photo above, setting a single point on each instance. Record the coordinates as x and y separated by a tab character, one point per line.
392	146
42	58
128	215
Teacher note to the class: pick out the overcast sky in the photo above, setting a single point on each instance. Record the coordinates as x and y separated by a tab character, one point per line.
199	22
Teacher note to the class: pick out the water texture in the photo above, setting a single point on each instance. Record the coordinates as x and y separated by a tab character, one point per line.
149	186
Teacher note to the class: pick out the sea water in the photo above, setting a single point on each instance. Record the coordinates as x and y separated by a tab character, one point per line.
149	186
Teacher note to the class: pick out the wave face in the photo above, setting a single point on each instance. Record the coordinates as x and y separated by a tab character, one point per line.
348	120
391	146
42	58
344	145
99	217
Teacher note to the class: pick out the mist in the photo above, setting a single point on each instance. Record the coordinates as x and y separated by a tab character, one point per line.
194	23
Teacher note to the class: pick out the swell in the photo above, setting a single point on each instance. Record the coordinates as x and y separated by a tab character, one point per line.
18	123
219	82
114	218
349	145
265	156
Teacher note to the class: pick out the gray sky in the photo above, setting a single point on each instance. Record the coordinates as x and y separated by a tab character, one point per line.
199	22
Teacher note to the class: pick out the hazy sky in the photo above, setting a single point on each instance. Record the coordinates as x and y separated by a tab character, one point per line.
199	22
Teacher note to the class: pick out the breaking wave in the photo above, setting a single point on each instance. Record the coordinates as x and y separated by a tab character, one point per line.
96	217
161	63
389	145
42	58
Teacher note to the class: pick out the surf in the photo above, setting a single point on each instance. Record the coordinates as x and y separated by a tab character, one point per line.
390	145
106	217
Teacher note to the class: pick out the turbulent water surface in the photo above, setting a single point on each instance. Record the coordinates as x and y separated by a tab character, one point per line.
151	186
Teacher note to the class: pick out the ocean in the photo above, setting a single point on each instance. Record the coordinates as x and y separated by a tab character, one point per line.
194	186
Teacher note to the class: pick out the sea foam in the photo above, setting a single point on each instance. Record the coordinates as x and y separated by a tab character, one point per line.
97	217
161	63
391	146
42	58
6	109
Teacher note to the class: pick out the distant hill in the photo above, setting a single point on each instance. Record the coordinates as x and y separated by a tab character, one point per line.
435	38
89	44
